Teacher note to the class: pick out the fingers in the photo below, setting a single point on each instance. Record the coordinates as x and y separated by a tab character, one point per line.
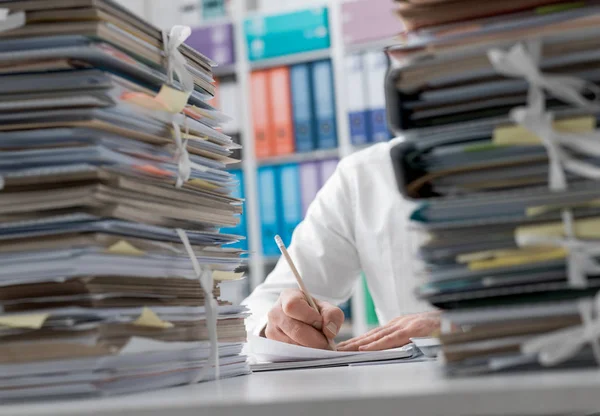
297	331
333	318
295	306
368	338
393	340
274	333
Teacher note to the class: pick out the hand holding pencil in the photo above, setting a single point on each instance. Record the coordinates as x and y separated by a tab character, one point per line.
299	319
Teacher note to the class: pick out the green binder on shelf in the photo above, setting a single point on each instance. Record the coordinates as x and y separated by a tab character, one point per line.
369	305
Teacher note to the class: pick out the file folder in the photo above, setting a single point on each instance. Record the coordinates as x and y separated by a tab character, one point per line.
324	98
327	168
240	229
356	93
310	182
282	131
268	197
259	87
290	200
376	68
302	108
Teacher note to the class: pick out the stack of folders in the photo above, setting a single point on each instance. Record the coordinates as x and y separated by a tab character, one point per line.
112	198
502	154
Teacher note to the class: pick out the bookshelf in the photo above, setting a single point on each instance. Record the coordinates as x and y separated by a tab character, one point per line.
240	70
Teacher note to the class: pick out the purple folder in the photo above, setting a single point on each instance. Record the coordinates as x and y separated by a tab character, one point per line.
309	184
216	42
327	169
358	18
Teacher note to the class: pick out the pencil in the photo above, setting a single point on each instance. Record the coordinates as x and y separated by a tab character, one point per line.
307	295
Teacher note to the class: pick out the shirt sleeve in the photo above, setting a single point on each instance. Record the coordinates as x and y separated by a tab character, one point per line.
323	249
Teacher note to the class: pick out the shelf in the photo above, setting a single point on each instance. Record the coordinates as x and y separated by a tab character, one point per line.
224	71
376	45
300	157
286	60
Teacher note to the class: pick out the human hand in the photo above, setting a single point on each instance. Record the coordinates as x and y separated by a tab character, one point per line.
395	334
293	321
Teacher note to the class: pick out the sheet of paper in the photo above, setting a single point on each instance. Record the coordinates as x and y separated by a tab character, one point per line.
265	349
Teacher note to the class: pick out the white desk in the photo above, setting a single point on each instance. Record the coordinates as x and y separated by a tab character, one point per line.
411	389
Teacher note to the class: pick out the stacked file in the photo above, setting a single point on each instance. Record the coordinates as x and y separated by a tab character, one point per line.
502	154
112	194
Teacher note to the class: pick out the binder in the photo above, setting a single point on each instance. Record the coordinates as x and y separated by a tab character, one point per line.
259	87
282	131
324	103
326	169
287	33
356	99
302	108
310	182
376	68
268	197
240	229
290	201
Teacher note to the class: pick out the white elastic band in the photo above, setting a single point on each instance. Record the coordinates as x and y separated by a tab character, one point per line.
176	62
561	345
519	62
207	283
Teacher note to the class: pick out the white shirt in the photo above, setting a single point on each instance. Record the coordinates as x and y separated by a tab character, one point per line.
357	222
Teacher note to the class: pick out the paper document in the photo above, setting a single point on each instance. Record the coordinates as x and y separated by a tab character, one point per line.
269	355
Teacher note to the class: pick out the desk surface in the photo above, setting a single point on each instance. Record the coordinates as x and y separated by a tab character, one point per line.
397	389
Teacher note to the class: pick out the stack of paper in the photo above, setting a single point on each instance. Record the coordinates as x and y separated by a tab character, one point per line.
112	194
268	355
503	162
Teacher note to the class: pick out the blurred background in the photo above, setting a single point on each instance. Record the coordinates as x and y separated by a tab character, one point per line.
303	83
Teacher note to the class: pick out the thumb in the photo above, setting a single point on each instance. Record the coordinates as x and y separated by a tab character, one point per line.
333	318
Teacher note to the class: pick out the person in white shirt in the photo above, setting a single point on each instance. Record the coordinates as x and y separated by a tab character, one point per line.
357	223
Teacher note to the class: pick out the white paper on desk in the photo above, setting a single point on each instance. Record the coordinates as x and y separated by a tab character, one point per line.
267	355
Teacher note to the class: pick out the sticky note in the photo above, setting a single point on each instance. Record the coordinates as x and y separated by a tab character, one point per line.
125	248
143	100
174	101
526	257
201	183
153	170
150	319
544	209
35	321
517	135
221	275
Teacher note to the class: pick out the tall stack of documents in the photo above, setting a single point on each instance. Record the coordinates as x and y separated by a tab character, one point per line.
112	195
502	153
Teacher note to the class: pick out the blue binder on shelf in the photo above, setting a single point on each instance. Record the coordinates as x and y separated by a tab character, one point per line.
268	201
376	67
240	229
291	201
324	104
356	100
302	108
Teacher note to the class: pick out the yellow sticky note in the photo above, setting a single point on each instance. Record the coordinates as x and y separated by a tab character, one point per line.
517	135
150	319
35	321
125	248
173	100
587	228
221	275
544	209
201	183
519	257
